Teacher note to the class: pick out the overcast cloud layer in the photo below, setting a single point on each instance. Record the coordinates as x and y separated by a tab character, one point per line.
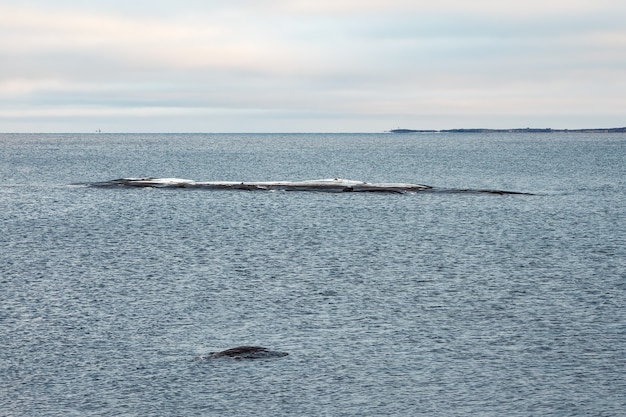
318	65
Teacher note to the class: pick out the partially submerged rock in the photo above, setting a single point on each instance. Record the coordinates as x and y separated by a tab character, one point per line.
246	352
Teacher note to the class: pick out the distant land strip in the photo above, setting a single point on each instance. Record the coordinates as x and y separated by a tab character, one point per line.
522	130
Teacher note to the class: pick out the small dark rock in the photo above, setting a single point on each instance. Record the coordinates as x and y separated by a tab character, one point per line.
246	352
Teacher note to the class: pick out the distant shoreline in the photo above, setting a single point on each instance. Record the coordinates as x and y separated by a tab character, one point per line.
522	130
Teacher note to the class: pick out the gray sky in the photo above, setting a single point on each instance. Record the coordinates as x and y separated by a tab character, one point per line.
310	65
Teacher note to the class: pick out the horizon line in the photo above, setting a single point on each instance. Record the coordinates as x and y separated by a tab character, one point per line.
397	130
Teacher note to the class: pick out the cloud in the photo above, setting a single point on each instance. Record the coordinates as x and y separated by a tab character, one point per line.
31	31
316	60
484	7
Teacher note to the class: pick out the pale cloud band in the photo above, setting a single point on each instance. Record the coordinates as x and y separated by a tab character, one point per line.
303	65
502	7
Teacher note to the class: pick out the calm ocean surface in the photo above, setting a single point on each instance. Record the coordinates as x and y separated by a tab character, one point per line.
435	304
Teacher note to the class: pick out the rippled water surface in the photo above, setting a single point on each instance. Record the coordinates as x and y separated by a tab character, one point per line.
388	304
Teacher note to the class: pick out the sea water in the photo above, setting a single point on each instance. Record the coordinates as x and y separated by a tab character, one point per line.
441	304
